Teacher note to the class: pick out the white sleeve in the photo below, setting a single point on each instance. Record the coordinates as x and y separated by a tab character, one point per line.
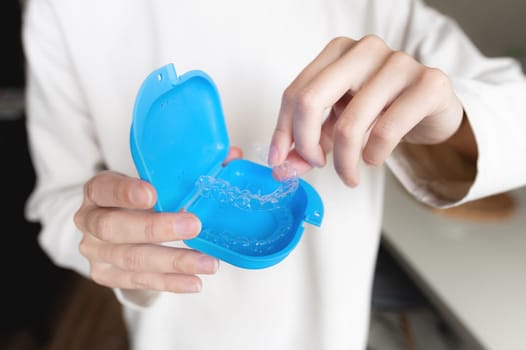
62	142
493	95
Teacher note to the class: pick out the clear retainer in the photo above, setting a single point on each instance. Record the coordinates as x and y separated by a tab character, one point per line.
274	202
253	245
222	191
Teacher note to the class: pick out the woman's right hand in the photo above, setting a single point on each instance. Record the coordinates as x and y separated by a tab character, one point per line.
122	236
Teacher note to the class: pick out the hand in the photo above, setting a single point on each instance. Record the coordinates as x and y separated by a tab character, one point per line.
377	98
122	236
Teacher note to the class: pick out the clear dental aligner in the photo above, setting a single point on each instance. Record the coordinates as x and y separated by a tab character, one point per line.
251	245
222	191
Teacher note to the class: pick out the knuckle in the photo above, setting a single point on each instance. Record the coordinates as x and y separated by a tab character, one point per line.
307	101
339	43
140	281
149	228
84	247
372	42
185	262
177	263
346	132
132	259
89	189
78	219
383	133
103	226
434	78
400	59
289	95
97	275
119	192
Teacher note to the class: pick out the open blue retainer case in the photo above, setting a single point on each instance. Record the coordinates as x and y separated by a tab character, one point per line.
178	143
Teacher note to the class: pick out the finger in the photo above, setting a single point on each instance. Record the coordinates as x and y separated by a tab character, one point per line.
110	189
297	163
127	226
300	165
327	131
349	72
282	138
114	277
397	72
151	258
233	153
415	104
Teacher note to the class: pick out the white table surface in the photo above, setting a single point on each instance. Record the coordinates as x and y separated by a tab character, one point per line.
475	273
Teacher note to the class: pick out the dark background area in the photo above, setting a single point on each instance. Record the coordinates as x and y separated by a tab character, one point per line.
32	285
42	306
12	67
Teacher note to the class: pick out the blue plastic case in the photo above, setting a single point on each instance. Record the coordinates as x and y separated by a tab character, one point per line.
178	134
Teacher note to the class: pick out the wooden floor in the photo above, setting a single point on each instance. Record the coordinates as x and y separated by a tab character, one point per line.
87	317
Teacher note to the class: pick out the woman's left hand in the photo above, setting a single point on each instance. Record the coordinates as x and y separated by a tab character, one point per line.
377	98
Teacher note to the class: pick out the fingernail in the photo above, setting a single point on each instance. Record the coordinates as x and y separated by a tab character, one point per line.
370	162
207	264
352	183
193	287
140	196
273	155
318	163
187	226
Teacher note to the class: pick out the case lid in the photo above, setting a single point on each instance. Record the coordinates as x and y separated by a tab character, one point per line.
174	140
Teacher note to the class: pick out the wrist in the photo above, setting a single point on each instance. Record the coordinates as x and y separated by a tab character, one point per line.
463	141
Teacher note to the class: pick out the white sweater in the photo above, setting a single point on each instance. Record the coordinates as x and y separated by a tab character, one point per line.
86	60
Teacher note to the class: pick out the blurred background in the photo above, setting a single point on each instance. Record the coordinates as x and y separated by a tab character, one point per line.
45	307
